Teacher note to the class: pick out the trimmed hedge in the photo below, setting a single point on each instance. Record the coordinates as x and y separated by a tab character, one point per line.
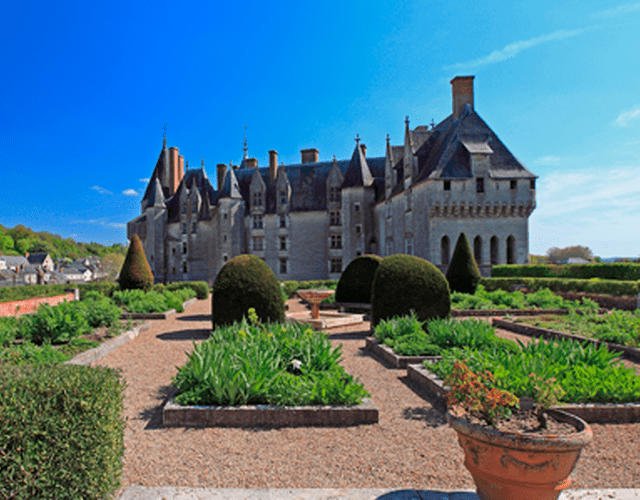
61	432
356	280
404	283
463	274
614	271
200	287
136	273
11	293
604	287
246	282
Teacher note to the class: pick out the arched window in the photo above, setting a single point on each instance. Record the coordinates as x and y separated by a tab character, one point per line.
494	250
511	250
477	249
444	251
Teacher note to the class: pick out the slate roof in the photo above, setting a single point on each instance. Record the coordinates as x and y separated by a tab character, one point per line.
358	173
37	259
15	261
446	153
193	178
149	194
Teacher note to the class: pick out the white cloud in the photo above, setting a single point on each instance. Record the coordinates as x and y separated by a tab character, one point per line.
515	48
615	11
547	161
101	190
130	192
144	179
626	117
115	224
100	222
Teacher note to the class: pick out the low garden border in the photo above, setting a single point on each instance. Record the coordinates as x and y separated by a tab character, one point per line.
602	413
547	333
28	306
387	354
87	357
162	315
174	415
512	312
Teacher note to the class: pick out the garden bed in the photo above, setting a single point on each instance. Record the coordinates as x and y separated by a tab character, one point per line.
547	333
604	413
387	354
487	313
175	415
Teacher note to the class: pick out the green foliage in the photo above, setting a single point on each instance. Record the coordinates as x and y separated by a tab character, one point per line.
404	283
290	288
55	324
463	274
587	374
620	327
104	288
246	282
136	273
307	285
282	364
501	299
138	301
61	432
593	285
100	311
356	280
612	271
201	288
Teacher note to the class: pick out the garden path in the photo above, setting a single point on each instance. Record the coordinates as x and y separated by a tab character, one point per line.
411	446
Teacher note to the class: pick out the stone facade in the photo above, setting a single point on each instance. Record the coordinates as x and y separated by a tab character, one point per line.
309	220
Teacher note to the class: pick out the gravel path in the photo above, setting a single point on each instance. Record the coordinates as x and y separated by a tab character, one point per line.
411	446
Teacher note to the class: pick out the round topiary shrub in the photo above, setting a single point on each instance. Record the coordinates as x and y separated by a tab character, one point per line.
356	280
404	283
246	282
463	274
135	273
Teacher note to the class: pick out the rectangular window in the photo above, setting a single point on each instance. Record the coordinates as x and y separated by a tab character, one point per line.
514	185
184	208
184	267
356	207
336	241
283	242
447	185
283	197
257	222
194	208
283	221
258	243
194	228
532	184
184	248
335	219
283	266
257	199
334	194
358	228
184	228
336	265
479	184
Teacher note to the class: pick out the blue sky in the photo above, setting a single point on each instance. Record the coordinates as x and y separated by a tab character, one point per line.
86	88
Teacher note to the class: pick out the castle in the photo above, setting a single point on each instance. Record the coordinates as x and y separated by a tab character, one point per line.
309	220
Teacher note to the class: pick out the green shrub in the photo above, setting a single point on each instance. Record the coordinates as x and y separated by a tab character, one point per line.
594	285
104	288
55	324
101	311
612	271
138	301
61	432
246	282
11	293
356	280
136	273
463	274
200	287
404	283
290	288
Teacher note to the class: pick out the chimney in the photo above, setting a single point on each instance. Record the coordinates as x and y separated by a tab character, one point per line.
180	168
221	172
309	155
273	166
462	91
363	147
251	162
174	169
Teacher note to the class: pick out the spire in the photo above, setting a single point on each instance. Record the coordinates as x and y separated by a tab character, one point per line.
202	164
187	164
358	172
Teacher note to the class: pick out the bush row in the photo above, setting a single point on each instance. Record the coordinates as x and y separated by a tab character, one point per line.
61	432
291	287
595	285
617	271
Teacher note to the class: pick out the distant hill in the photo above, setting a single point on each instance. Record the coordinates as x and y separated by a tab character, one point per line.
20	240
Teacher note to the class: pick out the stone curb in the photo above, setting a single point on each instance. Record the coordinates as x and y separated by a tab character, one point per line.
174	415
387	354
87	357
547	333
600	413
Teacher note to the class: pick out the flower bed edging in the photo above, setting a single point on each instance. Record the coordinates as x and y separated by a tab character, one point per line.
87	357
387	354
174	415
547	333
601	413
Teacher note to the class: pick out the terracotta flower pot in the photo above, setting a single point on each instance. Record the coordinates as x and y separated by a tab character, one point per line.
517	466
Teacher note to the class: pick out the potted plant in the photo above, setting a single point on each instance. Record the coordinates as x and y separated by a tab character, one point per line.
514	449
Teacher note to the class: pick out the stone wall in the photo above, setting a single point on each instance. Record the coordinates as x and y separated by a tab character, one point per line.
20	307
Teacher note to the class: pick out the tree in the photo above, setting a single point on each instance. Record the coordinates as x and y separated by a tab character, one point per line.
6	243
136	273
558	255
463	274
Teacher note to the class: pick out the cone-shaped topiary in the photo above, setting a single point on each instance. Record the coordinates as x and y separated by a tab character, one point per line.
463	274
356	280
135	273
246	282
404	283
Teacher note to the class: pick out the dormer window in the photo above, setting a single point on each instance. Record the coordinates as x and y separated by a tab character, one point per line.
533	184
335	219
513	185
479	184
257	199
184	208
257	222
283	221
